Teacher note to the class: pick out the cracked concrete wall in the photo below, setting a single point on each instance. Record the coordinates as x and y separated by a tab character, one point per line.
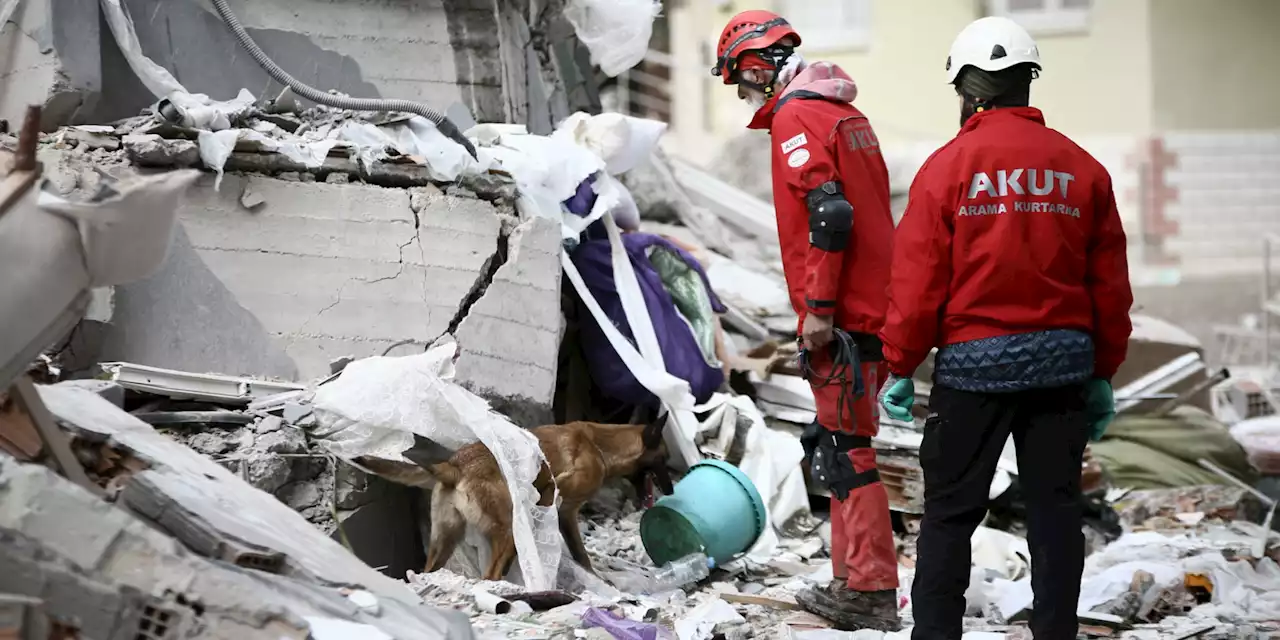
49	55
505	60
510	338
319	271
432	51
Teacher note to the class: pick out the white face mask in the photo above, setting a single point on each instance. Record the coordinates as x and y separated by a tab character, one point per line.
755	100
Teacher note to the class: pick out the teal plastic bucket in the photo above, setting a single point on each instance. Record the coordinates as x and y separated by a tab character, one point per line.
714	509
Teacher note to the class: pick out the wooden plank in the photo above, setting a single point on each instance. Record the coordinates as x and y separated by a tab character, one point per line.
772	603
25	167
24	392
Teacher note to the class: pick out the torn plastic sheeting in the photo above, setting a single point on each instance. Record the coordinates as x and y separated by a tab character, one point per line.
1241	592
310	153
615	32
154	77
376	406
197	109
125	237
1118	579
215	148
699	623
548	172
1000	551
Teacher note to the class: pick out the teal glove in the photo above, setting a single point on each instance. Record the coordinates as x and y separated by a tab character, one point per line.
896	397
1099	406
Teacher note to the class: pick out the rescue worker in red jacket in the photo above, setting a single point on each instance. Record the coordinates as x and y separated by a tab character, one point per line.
831	195
1010	260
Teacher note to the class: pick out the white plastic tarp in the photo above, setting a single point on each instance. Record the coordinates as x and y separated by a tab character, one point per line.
376	406
616	32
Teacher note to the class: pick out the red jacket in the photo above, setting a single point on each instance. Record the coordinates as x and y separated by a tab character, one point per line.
1010	228
818	136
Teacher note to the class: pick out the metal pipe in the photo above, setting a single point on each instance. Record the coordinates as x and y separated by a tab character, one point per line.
447	127
1182	398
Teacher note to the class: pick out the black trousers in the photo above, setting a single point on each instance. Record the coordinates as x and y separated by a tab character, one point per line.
963	438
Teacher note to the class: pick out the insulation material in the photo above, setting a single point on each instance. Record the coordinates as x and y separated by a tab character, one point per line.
415	137
377	406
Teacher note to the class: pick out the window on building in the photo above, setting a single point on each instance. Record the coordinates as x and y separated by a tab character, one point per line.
1045	16
830	25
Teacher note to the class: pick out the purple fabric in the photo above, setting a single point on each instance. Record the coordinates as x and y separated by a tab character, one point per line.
583	199
680	350
618	627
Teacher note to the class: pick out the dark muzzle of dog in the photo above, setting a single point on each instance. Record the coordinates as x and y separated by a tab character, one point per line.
653	464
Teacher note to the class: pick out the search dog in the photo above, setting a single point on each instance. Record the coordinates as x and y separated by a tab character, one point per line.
580	457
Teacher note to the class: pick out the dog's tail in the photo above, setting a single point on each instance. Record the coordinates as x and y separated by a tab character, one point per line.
445	473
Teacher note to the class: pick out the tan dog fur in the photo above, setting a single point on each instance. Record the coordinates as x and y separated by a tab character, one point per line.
581	456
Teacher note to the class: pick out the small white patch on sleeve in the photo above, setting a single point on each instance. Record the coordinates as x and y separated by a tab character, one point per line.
798	158
794	143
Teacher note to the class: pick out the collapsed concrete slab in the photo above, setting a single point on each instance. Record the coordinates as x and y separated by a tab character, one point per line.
279	275
195	549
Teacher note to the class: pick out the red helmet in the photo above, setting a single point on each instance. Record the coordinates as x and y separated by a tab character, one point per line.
754	30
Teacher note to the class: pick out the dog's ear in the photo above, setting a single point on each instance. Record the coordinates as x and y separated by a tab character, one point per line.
652	434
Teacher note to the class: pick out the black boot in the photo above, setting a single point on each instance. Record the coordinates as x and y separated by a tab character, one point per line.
852	610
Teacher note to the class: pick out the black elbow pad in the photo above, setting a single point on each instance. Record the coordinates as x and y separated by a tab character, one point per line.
830	217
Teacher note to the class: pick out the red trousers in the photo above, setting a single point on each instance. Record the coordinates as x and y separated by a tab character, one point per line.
863	552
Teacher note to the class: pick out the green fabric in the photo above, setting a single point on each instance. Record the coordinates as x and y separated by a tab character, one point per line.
1100	402
1143	452
689	294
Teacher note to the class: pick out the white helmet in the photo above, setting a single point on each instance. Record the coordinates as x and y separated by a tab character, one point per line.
991	44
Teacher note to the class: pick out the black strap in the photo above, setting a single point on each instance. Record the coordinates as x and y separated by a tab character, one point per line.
802	94
859	480
848	442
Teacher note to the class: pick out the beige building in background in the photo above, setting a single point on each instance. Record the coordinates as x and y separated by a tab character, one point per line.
1111	67
1179	99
